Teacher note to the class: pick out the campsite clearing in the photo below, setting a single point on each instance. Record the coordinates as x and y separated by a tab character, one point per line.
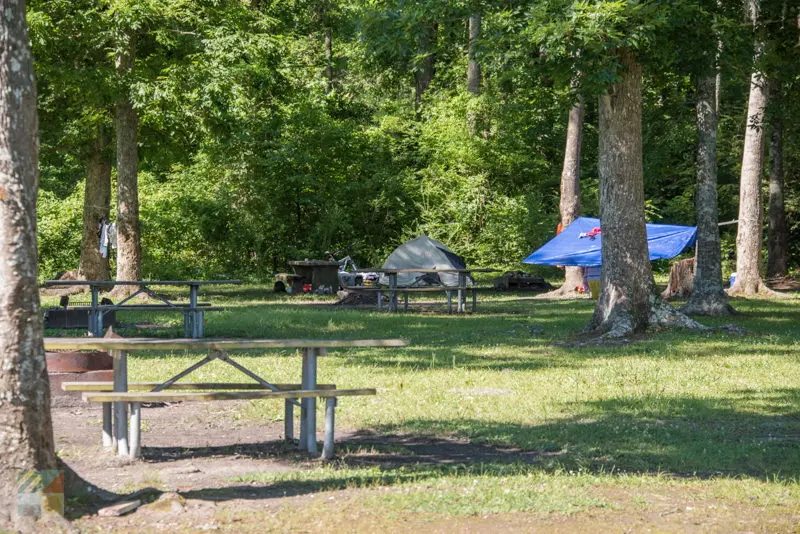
484	420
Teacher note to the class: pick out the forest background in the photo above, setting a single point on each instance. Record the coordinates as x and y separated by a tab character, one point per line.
273	131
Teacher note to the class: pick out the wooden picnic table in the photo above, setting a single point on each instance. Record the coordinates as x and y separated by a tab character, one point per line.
217	350
461	287
193	313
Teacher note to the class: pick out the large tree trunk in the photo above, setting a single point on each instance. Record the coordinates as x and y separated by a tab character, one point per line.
748	238
127	125
628	302
570	200
96	208
778	236
708	296
26	430
424	74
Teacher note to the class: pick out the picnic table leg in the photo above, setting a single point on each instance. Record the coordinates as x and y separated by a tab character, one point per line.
330	415
474	299
308	355
121	408
196	330
288	419
449	301
94	311
310	382
405	301
108	434
380	299
462	280
136	429
187	324
392	290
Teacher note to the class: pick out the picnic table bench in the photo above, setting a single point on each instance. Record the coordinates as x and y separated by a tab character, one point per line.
122	394
193	311
461	288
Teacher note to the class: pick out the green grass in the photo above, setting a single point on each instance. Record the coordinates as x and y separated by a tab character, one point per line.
712	410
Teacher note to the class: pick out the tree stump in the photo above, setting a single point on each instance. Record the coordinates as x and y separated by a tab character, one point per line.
681	280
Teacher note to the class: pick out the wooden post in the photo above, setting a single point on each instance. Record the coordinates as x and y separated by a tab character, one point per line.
380	300
288	419
93	313
449	301
462	281
136	429
108	434
405	301
327	447
474	299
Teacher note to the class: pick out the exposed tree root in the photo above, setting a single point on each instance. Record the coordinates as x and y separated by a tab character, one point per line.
563	293
739	289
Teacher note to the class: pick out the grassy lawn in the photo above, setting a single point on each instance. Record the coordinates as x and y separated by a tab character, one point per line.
714	417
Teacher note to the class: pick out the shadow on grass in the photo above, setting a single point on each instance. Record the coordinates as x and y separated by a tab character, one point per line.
753	434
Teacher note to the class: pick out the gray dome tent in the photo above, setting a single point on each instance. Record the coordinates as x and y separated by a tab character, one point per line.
424	253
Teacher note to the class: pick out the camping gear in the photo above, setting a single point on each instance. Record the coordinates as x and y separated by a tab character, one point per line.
580	243
521	281
424	253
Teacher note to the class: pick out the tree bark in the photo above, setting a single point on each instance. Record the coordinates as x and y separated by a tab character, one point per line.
329	59
26	430
96	208
570	200
473	67
708	296
425	71
778	236
127	124
628	302
748	238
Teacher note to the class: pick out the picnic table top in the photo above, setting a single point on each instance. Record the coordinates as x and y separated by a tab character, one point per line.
104	283
144	343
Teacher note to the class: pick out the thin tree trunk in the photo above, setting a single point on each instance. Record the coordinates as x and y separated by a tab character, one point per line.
628	302
329	59
707	297
570	200
26	430
96	208
778	237
473	69
425	71
127	124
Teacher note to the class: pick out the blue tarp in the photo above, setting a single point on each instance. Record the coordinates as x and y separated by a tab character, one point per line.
569	249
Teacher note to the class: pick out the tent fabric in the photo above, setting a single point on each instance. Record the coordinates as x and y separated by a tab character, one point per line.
424	253
570	249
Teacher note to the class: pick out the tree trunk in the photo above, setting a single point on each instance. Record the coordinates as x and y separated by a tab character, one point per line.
425	71
96	208
707	295
329	59
628	302
748	238
778	237
473	67
127	124
570	200
681	280
26	430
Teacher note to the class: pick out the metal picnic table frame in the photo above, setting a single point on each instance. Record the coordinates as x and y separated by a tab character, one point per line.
117	434
461	289
193	315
